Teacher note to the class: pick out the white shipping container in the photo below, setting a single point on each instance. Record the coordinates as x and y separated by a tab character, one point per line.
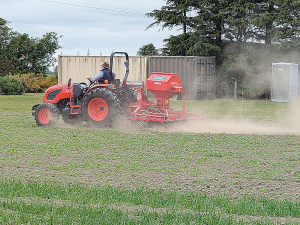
80	67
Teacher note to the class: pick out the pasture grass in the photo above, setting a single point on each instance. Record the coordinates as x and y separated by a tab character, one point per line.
83	175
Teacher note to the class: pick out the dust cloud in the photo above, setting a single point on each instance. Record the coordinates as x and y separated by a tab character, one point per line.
232	127
288	122
287	125
255	76
285	121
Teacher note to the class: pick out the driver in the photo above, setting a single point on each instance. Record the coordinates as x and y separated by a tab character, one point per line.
103	75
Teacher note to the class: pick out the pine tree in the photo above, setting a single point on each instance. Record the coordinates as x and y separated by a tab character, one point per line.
207	24
276	21
176	13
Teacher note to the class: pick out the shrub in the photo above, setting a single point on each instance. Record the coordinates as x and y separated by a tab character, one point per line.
36	83
11	86
258	91
48	82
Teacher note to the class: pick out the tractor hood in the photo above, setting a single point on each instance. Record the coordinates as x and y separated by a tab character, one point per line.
56	92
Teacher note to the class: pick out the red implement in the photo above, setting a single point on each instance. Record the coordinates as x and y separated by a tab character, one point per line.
164	86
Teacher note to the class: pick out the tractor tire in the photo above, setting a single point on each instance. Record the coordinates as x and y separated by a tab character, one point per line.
46	114
100	107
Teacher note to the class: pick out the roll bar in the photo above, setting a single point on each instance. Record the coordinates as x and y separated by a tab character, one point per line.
126	64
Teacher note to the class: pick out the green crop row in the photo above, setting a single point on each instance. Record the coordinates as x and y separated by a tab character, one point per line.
73	202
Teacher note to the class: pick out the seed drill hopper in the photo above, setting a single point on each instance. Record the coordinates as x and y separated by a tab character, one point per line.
164	86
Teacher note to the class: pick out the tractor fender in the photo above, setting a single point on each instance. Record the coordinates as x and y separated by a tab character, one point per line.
94	87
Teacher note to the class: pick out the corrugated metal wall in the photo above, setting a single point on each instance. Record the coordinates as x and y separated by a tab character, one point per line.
197	73
80	67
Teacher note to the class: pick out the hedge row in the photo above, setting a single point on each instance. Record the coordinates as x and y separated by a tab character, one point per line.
31	83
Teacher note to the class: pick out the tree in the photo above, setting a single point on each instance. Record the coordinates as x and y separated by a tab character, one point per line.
174	14
238	23
5	64
202	24
32	54
4	35
268	22
190	44
25	54
148	49
211	22
210	19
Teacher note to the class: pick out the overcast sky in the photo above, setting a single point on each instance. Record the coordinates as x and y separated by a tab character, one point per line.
98	25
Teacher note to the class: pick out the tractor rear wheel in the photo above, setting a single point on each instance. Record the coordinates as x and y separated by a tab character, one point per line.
100	107
46	114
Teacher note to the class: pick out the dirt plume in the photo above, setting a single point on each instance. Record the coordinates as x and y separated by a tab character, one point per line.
232	126
287	122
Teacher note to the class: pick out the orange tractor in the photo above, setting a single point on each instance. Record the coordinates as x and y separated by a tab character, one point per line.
101	104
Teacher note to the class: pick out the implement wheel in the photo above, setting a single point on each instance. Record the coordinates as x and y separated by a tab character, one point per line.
46	114
100	107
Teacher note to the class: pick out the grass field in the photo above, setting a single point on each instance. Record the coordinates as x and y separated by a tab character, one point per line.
240	166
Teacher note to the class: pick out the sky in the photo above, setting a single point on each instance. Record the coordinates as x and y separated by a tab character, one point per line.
95	25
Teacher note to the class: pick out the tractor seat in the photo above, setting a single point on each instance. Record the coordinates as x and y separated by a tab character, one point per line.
79	89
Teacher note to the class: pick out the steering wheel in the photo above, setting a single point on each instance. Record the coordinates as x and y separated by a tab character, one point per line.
91	82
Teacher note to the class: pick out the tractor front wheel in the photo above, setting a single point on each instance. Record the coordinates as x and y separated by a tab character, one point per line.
100	107
46	114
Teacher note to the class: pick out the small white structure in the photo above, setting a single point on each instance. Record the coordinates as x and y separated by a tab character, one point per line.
284	82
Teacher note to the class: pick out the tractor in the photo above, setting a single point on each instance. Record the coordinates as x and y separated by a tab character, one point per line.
97	104
102	104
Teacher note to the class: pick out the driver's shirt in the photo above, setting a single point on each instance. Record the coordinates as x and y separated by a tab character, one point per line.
98	76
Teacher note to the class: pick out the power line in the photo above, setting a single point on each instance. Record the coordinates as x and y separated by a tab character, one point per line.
79	4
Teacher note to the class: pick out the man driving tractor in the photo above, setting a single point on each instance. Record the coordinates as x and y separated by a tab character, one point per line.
103	75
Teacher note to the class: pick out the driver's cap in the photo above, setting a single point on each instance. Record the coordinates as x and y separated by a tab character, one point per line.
105	65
